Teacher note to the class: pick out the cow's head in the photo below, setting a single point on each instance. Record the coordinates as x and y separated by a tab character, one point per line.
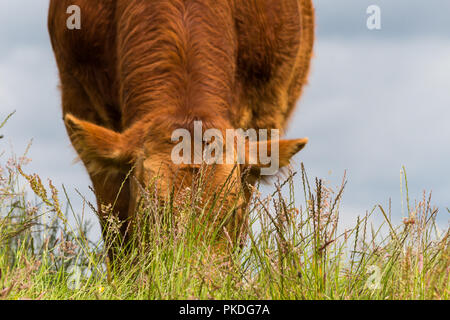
147	152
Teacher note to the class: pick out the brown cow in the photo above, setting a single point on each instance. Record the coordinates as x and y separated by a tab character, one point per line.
139	69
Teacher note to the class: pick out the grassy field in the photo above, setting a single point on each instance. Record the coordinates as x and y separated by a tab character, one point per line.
292	252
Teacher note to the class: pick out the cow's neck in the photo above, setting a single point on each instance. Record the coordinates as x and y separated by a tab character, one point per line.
176	61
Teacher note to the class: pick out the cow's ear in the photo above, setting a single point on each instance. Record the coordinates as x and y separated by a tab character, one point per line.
101	149
289	148
286	150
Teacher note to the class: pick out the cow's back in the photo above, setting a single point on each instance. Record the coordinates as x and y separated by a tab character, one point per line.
275	48
275	40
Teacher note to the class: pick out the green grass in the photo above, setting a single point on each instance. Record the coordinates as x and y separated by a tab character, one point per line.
292	251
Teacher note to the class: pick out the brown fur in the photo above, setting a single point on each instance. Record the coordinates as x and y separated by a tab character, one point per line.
139	69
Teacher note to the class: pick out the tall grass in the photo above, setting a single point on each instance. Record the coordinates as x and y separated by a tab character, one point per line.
292	251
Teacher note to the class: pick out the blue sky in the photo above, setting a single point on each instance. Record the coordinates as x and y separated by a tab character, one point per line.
376	100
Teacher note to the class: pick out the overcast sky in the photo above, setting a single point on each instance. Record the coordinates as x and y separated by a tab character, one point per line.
377	100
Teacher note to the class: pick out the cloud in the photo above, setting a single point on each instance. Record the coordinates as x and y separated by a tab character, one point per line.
373	106
400	18
22	22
